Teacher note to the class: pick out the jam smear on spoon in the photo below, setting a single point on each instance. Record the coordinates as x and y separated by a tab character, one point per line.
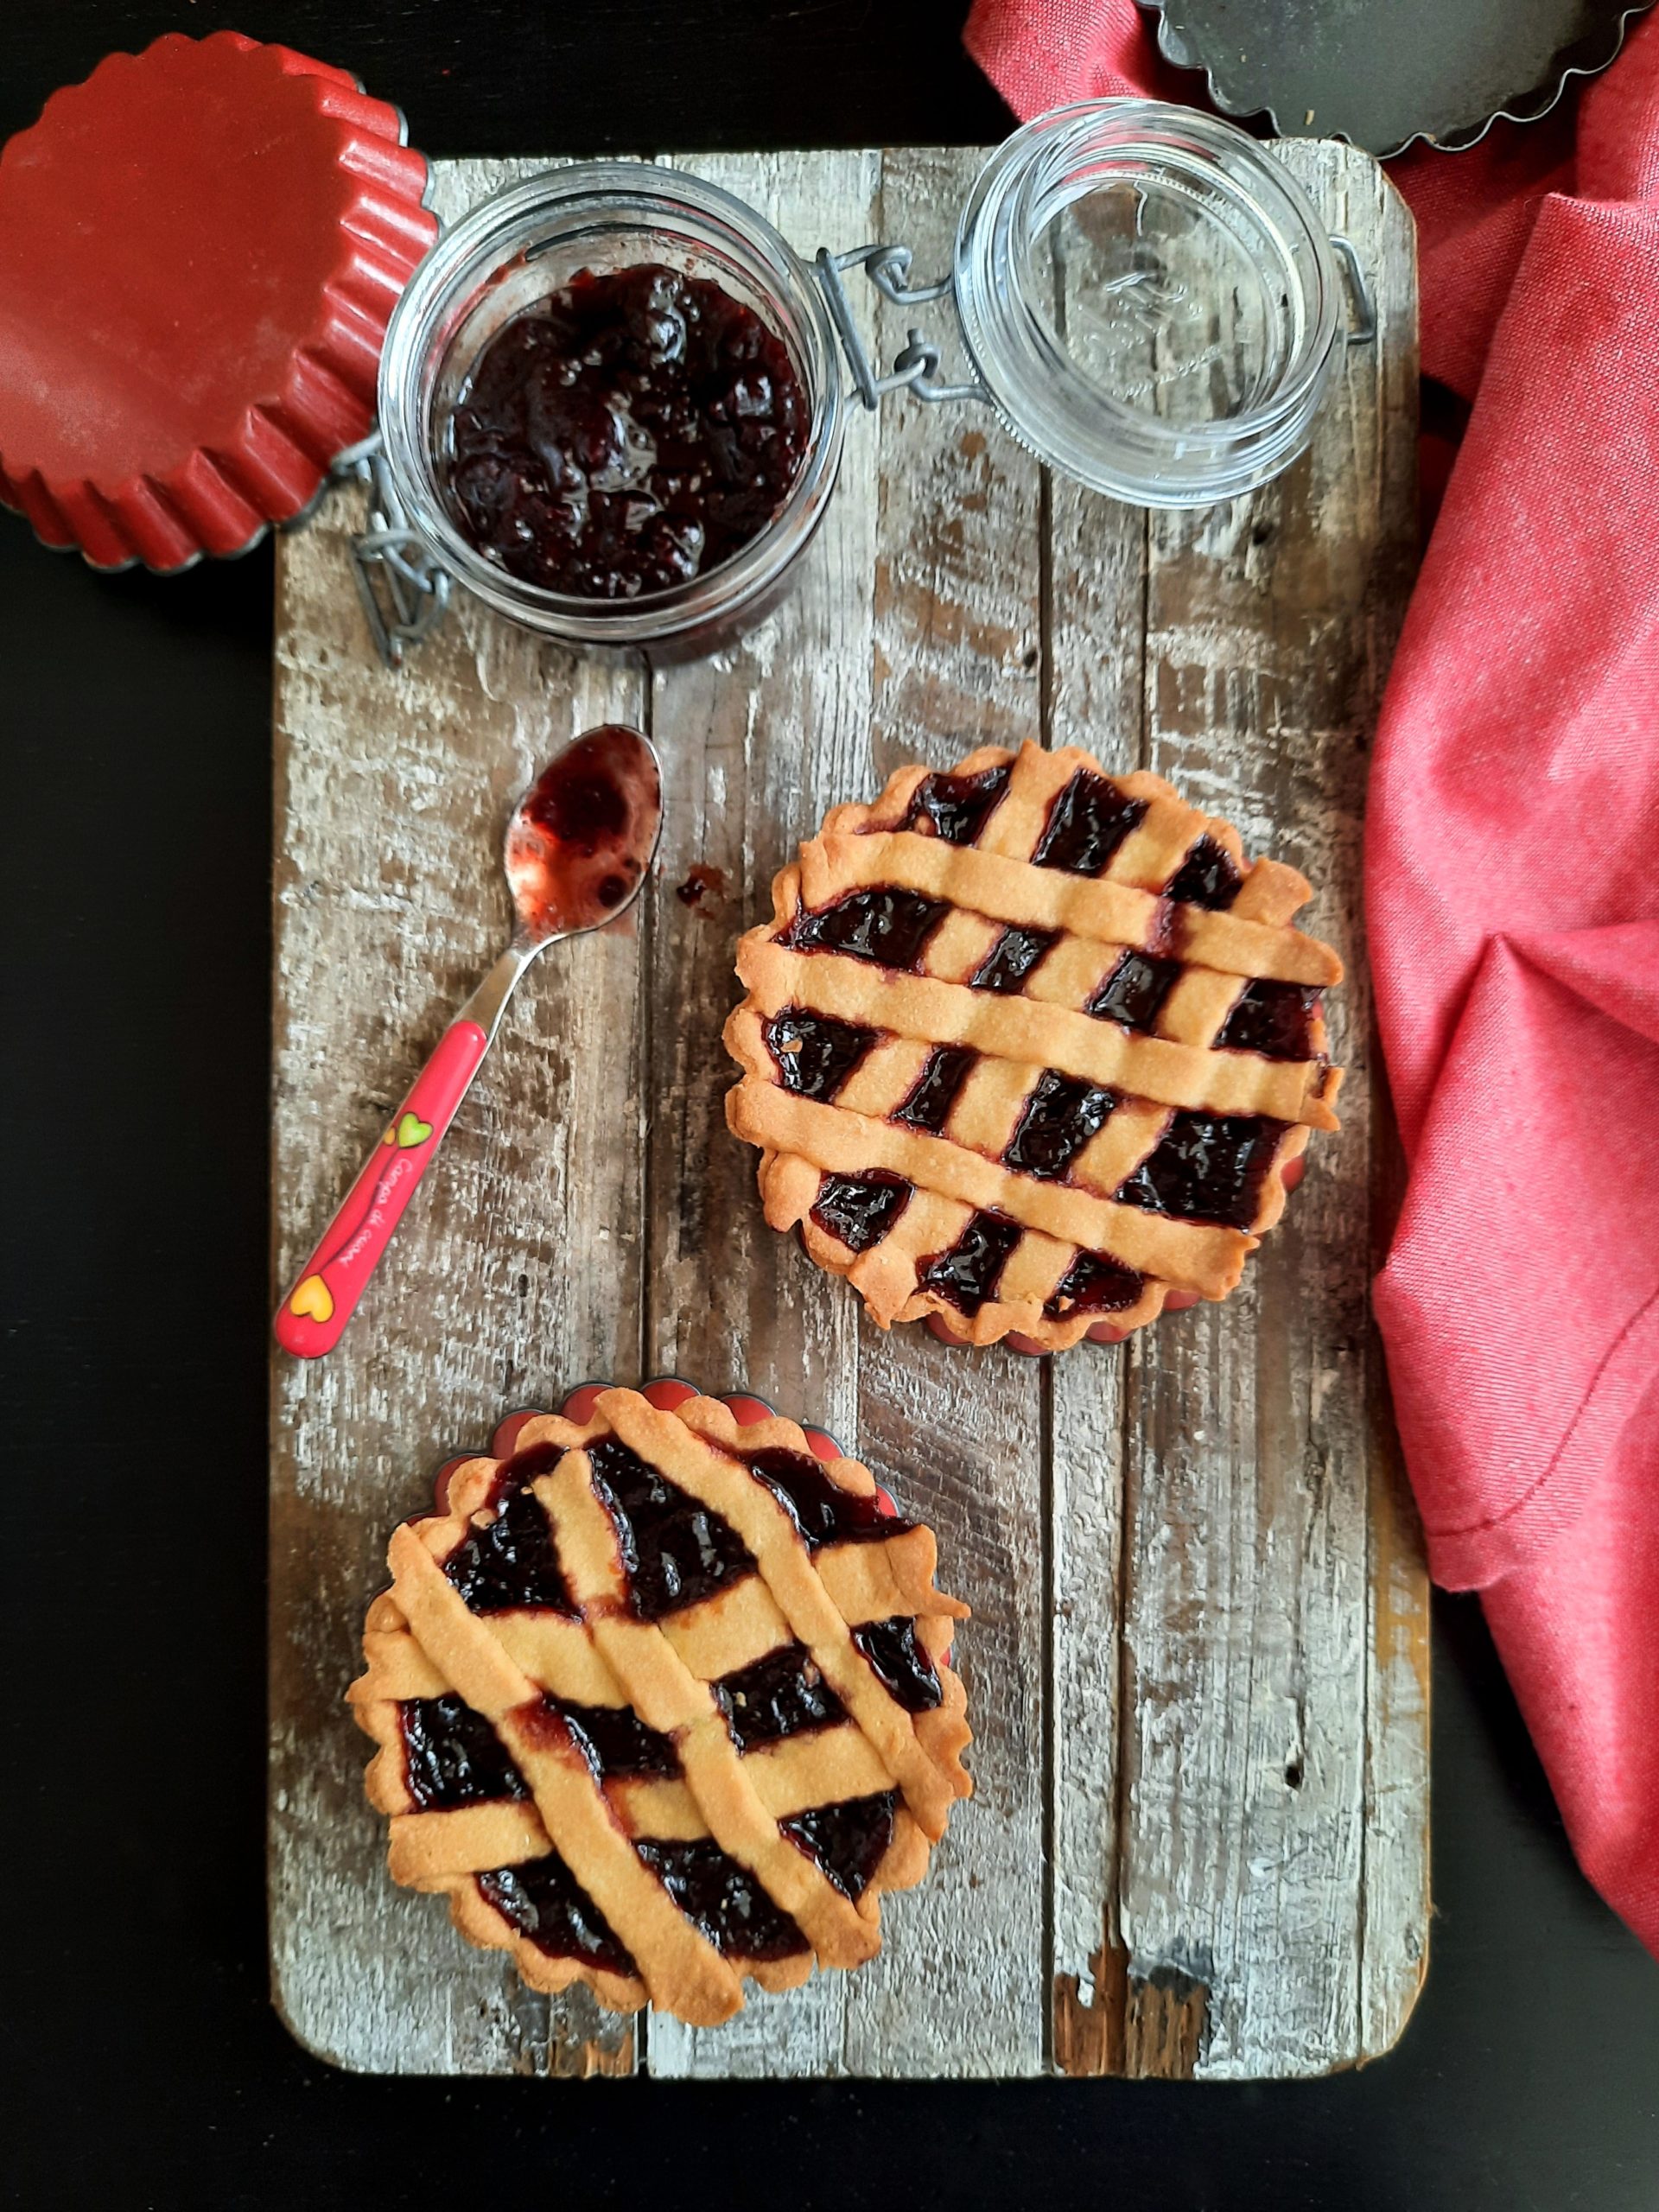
583	837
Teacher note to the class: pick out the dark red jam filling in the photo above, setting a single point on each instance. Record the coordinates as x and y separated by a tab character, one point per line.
544	1900
900	1663
1207	1167
722	1899
821	1510
1087	822
967	1274
452	1756
1275	1019
889	927
613	1739
958	807
674	1551
783	1695
1093	1284
928	1105
1134	992
581	836
578	800
1207	877
859	1210
616	1743
628	433
1012	958
815	1054
1062	1113
513	1560
848	1840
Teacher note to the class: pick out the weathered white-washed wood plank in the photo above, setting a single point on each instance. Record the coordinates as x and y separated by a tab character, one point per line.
390	802
1268	1743
957	1434
1395	1904
755	744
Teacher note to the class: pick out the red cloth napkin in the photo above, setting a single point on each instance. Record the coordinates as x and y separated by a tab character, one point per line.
1513	904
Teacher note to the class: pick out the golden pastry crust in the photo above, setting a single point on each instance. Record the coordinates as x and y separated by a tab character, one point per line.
521	1671
1208	958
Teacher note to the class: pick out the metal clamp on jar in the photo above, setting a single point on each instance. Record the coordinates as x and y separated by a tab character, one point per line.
1146	300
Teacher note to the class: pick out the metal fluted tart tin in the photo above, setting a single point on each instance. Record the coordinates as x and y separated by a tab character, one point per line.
1441	72
200	247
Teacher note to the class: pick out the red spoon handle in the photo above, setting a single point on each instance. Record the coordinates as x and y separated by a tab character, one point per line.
325	1295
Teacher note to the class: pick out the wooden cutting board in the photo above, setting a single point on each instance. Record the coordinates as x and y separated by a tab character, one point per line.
1198	1665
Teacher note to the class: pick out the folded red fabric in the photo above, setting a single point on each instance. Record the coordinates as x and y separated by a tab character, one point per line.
1513	907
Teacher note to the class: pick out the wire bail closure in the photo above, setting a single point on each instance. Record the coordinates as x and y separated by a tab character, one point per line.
403	590
916	365
1363	329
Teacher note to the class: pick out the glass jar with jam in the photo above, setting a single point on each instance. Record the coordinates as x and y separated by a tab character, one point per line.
612	405
612	398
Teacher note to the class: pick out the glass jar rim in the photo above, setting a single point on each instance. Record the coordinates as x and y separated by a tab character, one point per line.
1019	357
488	237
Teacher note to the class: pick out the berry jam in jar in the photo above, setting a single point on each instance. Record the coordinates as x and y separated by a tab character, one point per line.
633	429
612	407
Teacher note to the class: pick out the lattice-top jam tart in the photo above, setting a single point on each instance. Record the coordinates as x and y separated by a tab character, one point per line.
1028	1048
662	1703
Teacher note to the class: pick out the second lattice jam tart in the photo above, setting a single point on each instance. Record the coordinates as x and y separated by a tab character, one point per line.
1029	1048
663	1704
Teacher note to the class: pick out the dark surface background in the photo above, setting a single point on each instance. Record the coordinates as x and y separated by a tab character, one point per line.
142	2065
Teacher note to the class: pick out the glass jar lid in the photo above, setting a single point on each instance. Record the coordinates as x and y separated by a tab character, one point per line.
1150	301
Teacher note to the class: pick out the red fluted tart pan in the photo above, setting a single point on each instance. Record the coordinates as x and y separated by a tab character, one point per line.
200	250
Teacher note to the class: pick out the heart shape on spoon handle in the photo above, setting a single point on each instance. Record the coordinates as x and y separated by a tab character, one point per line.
325	1293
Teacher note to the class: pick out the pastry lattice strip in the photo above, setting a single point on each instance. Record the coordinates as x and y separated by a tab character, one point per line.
985	1007
622	1778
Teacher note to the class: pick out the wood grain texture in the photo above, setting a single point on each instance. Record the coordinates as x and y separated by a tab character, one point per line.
392	798
1210	1581
756	743
957	662
1270	1710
